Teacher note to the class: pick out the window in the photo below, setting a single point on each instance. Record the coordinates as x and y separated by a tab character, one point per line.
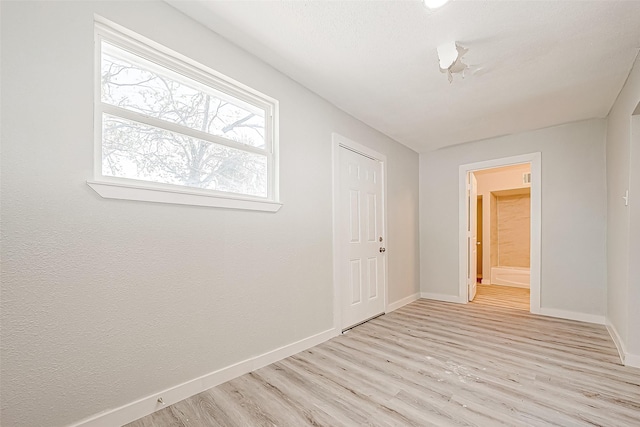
171	130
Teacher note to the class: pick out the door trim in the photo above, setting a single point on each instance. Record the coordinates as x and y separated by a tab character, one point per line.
472	280
337	142
535	159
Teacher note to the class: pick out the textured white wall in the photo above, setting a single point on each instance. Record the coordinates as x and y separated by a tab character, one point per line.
620	311
573	212
107	301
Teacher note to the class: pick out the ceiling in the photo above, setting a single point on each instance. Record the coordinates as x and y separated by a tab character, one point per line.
533	64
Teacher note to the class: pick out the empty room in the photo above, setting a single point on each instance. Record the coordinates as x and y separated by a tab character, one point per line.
322	213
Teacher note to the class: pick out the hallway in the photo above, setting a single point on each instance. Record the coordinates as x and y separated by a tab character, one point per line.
502	296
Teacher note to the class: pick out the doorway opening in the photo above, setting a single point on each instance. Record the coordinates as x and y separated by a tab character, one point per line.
500	232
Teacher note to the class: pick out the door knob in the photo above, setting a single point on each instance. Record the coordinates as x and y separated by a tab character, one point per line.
477	243
383	249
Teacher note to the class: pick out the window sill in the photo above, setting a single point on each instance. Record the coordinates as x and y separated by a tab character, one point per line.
110	190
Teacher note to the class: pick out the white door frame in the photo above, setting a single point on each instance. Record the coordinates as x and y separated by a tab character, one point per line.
535	160
472	234
337	142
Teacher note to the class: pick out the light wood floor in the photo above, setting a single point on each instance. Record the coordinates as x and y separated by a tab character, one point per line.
433	364
503	296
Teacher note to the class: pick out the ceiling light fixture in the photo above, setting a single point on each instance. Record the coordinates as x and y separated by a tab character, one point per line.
450	58
434	4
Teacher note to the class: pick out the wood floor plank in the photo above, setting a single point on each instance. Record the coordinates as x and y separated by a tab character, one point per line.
503	296
432	363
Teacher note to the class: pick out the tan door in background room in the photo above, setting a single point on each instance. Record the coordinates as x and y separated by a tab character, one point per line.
362	243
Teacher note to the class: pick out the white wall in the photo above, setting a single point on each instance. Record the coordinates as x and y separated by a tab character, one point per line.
623	299
108	301
573	212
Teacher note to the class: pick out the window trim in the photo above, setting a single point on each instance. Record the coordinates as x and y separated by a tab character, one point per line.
131	189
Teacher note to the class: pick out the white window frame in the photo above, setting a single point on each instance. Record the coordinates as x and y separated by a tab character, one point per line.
131	189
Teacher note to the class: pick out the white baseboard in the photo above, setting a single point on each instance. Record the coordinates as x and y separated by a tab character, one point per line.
147	405
572	315
402	302
442	297
626	358
616	340
485	282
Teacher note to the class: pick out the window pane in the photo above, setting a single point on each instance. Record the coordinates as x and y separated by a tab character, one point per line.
139	85
137	151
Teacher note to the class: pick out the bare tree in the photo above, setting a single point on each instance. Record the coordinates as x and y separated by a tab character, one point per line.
136	150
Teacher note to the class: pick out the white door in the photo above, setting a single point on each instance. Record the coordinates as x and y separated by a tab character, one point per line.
361	241
472	235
